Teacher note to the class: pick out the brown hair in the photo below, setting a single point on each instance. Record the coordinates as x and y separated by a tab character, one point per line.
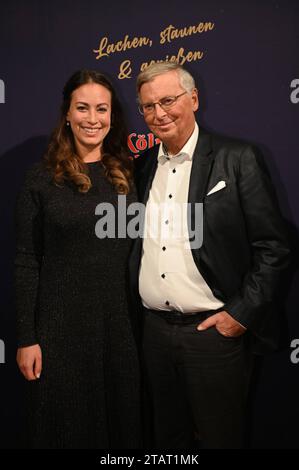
62	158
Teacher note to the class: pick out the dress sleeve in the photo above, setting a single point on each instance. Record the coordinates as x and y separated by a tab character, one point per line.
29	251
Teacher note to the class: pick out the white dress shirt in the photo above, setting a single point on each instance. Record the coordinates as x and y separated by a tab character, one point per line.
169	278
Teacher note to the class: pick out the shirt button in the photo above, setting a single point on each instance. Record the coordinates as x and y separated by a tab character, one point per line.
174	170
164	248
170	196
163	276
166	303
166	222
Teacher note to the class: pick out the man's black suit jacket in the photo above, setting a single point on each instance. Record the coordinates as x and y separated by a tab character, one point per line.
244	245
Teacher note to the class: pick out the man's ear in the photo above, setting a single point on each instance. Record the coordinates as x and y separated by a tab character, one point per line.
195	99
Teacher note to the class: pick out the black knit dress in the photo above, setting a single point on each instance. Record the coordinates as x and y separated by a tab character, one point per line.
71	300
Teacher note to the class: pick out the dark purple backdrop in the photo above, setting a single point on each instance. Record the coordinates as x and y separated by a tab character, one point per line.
248	81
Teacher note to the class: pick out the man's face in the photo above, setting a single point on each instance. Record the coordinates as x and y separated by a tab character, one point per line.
174	126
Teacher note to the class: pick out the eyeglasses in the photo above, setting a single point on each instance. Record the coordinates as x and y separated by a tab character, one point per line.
165	103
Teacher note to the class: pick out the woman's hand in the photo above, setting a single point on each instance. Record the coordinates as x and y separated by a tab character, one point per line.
29	360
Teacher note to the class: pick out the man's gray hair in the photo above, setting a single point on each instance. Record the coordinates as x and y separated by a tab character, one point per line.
186	80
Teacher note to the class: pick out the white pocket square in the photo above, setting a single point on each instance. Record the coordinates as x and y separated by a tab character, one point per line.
219	185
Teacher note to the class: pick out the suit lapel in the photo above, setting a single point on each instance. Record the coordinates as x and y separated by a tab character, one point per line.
202	162
147	174
144	179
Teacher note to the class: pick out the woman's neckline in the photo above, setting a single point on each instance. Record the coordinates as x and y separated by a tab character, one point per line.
93	163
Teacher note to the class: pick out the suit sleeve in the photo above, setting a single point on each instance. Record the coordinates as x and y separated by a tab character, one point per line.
29	247
267	238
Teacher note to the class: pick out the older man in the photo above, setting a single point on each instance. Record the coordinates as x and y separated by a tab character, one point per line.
207	300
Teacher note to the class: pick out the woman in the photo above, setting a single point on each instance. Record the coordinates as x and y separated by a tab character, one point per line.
76	346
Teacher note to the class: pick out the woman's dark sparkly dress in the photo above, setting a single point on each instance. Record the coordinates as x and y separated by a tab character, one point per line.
71	300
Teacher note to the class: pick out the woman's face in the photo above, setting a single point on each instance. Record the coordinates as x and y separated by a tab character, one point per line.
89	116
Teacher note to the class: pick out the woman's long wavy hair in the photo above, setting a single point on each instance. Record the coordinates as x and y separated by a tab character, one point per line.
62	157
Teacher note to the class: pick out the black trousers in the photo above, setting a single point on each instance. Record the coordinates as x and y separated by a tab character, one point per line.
197	384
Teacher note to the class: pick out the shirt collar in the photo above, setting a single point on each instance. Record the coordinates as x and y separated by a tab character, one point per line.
186	153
